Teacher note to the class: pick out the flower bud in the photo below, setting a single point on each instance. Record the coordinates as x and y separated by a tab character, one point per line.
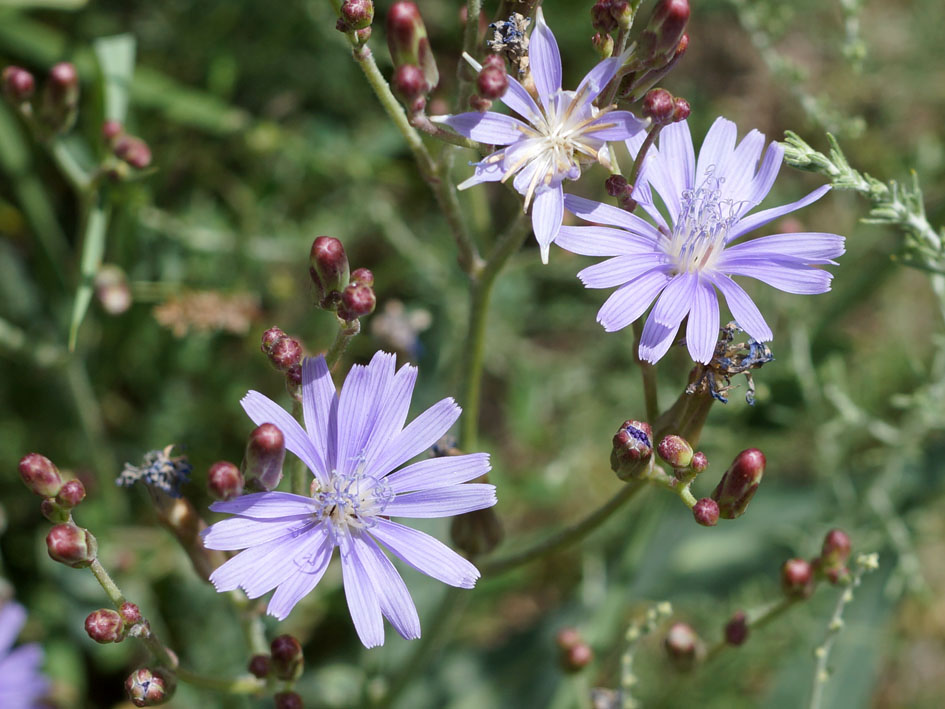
477	532
601	19
680	109
408	83
706	512
357	14
112	289
363	276
617	186
356	301
604	44
576	658
130	613
111	130
668	23
224	480
836	549
479	104
736	630
328	268
71	545
133	151
105	626
408	43
567	638
265	454
287	659
148	688
621	12
269	338
699	462
492	82
285	353
71	494
18	84
53	511
40	475
797	578
683	646
738	485
259	666
288	700
658	106
632	448
676	451
60	103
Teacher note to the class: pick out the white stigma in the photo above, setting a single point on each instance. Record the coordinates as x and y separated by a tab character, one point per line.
700	233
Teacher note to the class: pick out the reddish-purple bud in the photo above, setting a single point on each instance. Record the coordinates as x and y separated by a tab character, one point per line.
566	638
668	22
71	494
105	626
617	186
288	700
259	666
576	658
738	485
357	14
408	43
408	82
111	130
621	12
285	353
287	657
130	613
604	44
224	480
60	102
736	630
270	337
492	82
71	545
797	578
601	18
706	512
293	375
40	475
676	451
479	104
836	549
699	462
18	84
837	575
362	276
356	301
133	151
658	106
681	110
265	454
632	448
683	646
148	688
328	268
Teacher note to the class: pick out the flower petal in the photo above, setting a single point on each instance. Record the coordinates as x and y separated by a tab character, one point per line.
12	618
242	532
591	211
520	101
363	603
716	149
753	221
442	501
488	127
603	241
806	247
544	61
298	585
597	79
484	172
676	149
261	409
439	472
629	302
614	125
655	340
620	270
267	505
764	178
744	310
359	407
396	603
702	331
802	280
737	173
319	411
426	554
675	300
547	213
420	434
393	412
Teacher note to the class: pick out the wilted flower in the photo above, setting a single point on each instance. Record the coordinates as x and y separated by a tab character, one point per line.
158	469
21	684
554	139
681	262
353	443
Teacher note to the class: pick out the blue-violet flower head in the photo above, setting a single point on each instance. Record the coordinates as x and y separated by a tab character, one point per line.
552	140
21	684
682	261
353	444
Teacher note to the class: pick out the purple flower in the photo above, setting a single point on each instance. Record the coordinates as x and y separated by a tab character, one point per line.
21	684
681	262
552	141
353	444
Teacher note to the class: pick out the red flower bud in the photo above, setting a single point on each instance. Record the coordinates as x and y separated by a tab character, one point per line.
604	44
617	186
576	658
356	301
71	494
668	22
706	512
738	485
71	545
18	84
632	448
60	103
601	19
148	688
111	130
288	700
680	110
683	646
224	480
492	82
362	276
328	268
836	549
259	666
285	353
408	82
736	630
567	638
287	657
40	475
130	613
676	451
699	462
357	14
658	106
133	151
408	43
270	337
105	626
265	454
797	578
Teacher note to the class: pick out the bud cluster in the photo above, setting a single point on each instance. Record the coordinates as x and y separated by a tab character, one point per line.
662	108
491	83
147	688
42	477
356	16
573	653
799	576
350	294
129	149
657	50
415	70
58	103
284	353
632	449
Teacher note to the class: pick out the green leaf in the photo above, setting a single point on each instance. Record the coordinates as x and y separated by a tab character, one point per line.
116	59
44	4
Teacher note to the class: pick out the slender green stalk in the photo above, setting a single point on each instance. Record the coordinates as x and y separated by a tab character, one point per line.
246	684
346	330
641	155
97	212
253	630
470	46
105	581
567	536
648	374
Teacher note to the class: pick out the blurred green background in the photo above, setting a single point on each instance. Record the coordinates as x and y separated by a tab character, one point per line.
265	135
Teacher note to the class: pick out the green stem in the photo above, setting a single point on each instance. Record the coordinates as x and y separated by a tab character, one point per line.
756	621
648	374
253	630
641	155
346	330
105	581
566	537
448	200
470	47
474	351
247	684
97	212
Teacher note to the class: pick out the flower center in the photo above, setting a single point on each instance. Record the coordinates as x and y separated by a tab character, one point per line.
700	232
350	501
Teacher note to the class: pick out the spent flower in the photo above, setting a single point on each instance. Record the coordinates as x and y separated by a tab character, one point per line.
551	141
681	262
354	444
